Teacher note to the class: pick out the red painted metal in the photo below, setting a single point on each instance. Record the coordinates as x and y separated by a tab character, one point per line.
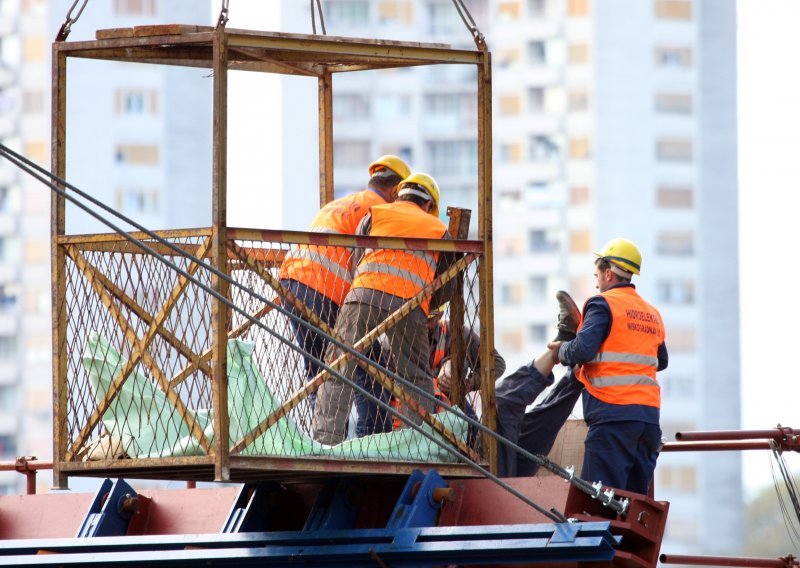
787	438
715	446
783	562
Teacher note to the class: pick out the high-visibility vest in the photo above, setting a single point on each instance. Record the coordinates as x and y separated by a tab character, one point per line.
624	369
328	269
439	351
401	273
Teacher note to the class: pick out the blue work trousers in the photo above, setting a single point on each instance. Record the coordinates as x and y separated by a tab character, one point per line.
622	454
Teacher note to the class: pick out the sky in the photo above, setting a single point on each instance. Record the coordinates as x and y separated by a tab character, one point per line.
769	199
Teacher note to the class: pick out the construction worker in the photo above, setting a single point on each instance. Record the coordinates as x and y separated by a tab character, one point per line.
320	276
373	419
385	279
618	349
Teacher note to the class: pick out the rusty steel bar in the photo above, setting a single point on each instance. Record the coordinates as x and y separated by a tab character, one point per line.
325	103
783	562
58	264
139	235
776	434
715	446
459	229
219	253
486	265
27	466
327	239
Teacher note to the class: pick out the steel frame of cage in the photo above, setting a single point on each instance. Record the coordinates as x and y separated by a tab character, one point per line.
221	50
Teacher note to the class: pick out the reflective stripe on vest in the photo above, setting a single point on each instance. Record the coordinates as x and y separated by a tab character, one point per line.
624	369
400	273
328	269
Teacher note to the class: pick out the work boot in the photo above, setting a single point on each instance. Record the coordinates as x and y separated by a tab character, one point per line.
569	316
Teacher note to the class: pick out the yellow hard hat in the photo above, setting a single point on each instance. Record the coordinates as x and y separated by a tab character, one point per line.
425	182
622	253
390	162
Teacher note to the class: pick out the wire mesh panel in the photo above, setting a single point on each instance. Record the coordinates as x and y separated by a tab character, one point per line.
366	376
137	344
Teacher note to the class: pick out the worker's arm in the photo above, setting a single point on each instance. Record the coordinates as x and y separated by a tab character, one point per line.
472	368
663	357
595	330
363	229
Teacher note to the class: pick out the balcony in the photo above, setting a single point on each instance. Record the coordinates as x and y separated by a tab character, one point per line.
9	325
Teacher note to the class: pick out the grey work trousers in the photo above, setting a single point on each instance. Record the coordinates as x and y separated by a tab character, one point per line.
410	349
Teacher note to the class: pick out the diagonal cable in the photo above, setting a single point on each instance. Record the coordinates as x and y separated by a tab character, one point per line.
595	490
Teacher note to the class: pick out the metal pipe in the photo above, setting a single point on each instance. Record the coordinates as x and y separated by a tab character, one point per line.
715	446
782	562
703	436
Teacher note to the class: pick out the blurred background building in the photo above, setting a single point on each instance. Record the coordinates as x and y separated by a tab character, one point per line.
611	118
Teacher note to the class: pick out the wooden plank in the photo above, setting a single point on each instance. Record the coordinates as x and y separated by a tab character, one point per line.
112	33
169	29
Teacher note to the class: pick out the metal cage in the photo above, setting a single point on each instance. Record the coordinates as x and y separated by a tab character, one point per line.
143	358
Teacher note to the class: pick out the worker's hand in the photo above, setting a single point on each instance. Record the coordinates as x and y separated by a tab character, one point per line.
445	372
553	348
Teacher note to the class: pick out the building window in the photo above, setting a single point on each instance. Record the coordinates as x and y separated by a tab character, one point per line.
511	153
511	294
673	9
678	478
535	99
33	48
537	53
138	201
537	8
538	333
136	101
443	18
673	57
350	153
579	195
8	347
394	11
36	251
542	149
675	292
8	447
453	157
346	13
675	243
674	149
681	340
8	294
578	8
512	339
511	246
137	154
460	105
510	104
579	148
507	57
391	107
578	53
540	242
351	107
677	387
34	6
537	285
580	241
135	7
36	151
32	102
578	99
509	10
673	103
674	197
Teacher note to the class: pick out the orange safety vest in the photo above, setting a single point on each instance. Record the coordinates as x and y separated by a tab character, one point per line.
327	269
624	369
401	273
438	355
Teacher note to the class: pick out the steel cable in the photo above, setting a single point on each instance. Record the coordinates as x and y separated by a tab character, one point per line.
595	490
